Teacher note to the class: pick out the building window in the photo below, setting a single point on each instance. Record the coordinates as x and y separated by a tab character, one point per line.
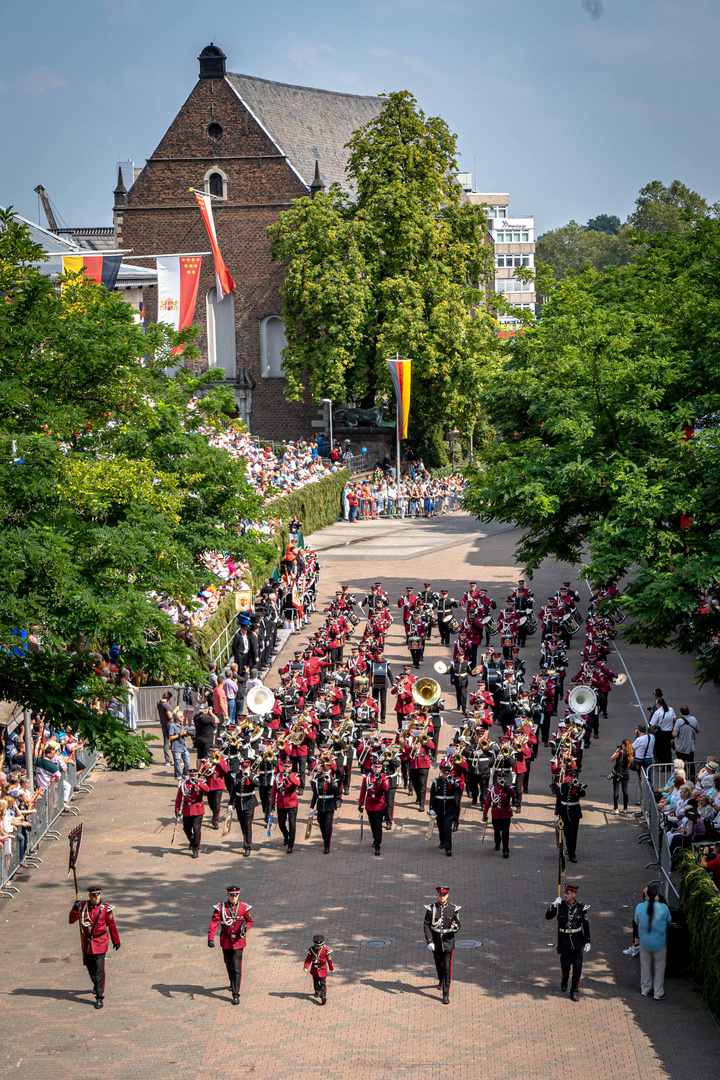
272	343
221	332
215	131
215	183
504	261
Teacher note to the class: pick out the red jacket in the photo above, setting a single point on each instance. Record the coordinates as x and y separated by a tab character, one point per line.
372	792
284	792
216	780
318	961
404	704
313	667
500	799
233	924
97	925
422	760
190	796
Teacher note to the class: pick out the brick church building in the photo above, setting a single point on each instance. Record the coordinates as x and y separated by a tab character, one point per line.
258	145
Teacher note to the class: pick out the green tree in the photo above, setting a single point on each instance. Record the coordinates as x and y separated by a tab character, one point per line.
595	409
605	223
109	494
661	209
398	267
574	247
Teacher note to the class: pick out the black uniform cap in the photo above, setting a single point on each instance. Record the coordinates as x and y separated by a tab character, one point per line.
233	888
318	939
94	888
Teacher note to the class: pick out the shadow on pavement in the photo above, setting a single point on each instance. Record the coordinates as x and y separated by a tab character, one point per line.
168	989
60	995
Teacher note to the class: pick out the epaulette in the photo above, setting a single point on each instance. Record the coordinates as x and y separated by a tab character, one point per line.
109	908
248	906
586	907
217	907
457	907
428	907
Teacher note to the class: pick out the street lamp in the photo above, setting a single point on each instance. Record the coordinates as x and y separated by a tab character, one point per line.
452	436
327	401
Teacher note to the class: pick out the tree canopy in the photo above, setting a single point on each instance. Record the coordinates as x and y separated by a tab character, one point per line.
397	265
608	450
108	491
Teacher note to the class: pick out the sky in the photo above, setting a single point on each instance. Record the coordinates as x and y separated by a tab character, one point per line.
569	105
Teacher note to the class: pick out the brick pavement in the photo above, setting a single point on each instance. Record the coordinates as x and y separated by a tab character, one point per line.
169	1016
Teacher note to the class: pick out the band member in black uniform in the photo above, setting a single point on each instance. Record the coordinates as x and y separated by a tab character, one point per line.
381	678
573	937
459	676
440	926
264	772
568	809
325	793
480	758
443	805
445	616
429	599
391	770
245	800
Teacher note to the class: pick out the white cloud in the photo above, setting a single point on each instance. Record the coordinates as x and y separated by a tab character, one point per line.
40	79
303	52
412	62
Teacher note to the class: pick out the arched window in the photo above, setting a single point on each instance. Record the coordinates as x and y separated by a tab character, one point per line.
272	343
221	332
215	183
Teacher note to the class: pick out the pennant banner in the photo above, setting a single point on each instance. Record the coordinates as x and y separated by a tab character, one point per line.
400	374
102	269
225	283
75	839
178	280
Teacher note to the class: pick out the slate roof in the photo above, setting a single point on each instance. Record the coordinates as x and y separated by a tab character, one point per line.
307	125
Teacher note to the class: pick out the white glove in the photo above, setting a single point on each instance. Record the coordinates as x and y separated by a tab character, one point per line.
587	947
556	902
431	946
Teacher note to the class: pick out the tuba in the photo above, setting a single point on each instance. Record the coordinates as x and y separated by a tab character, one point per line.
260	701
426	692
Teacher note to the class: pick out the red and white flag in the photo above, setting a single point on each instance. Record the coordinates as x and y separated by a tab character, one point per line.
225	283
178	280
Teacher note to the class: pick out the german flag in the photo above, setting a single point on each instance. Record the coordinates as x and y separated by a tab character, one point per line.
400	374
102	269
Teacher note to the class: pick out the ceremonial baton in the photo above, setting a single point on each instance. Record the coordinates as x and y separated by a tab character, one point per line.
362	825
484	833
75	839
270	824
430	826
308	827
228	821
177	816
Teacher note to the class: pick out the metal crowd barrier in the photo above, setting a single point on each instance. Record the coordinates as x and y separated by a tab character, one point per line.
47	810
653	779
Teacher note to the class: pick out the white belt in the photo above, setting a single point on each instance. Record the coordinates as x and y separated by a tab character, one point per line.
577	930
444	797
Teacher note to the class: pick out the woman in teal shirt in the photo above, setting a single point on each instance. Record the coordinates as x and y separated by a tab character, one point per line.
652	918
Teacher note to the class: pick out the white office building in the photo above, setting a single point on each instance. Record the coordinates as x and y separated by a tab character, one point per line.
514	241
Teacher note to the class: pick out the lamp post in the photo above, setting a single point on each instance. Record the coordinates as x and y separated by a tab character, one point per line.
452	436
327	401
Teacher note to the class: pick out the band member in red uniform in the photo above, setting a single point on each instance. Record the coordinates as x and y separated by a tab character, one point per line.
373	794
419	762
499	801
97	924
216	785
189	798
233	919
318	963
284	796
404	704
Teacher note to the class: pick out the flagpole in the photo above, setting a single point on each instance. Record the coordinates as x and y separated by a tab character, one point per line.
175	255
397	432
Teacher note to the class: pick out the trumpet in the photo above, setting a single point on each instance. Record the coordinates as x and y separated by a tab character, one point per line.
262	759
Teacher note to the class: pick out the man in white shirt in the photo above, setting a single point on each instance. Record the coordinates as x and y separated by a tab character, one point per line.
643	747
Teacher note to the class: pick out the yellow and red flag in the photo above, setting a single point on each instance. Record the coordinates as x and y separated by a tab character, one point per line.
178	279
225	283
400	374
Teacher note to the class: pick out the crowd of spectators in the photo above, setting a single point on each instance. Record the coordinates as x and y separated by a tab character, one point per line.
53	748
418	495
272	475
232	577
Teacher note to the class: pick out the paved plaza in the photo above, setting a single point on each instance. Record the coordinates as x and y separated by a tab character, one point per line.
168	1014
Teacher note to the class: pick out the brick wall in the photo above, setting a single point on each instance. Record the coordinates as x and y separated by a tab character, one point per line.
161	216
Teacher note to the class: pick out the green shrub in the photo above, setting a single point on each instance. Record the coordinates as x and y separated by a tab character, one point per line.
123	748
700	904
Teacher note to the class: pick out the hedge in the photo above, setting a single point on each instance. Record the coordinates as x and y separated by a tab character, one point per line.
316	505
700	904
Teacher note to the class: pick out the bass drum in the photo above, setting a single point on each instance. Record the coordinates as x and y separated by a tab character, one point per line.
454	627
532	625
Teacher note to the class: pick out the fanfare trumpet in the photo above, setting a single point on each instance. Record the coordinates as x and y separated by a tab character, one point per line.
426	692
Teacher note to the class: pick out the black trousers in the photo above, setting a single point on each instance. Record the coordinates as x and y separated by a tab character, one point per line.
95	964
663	749
233	966
417	655
265	795
245	817
286	821
214	800
501	831
346	776
325	821
390	804
570	832
545	727
192	827
474	651
301	764
461	696
380	694
473	787
571	958
602	702
405	773
320	985
526	776
375	819
446	816
443	965
444	629
419	779
623	782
